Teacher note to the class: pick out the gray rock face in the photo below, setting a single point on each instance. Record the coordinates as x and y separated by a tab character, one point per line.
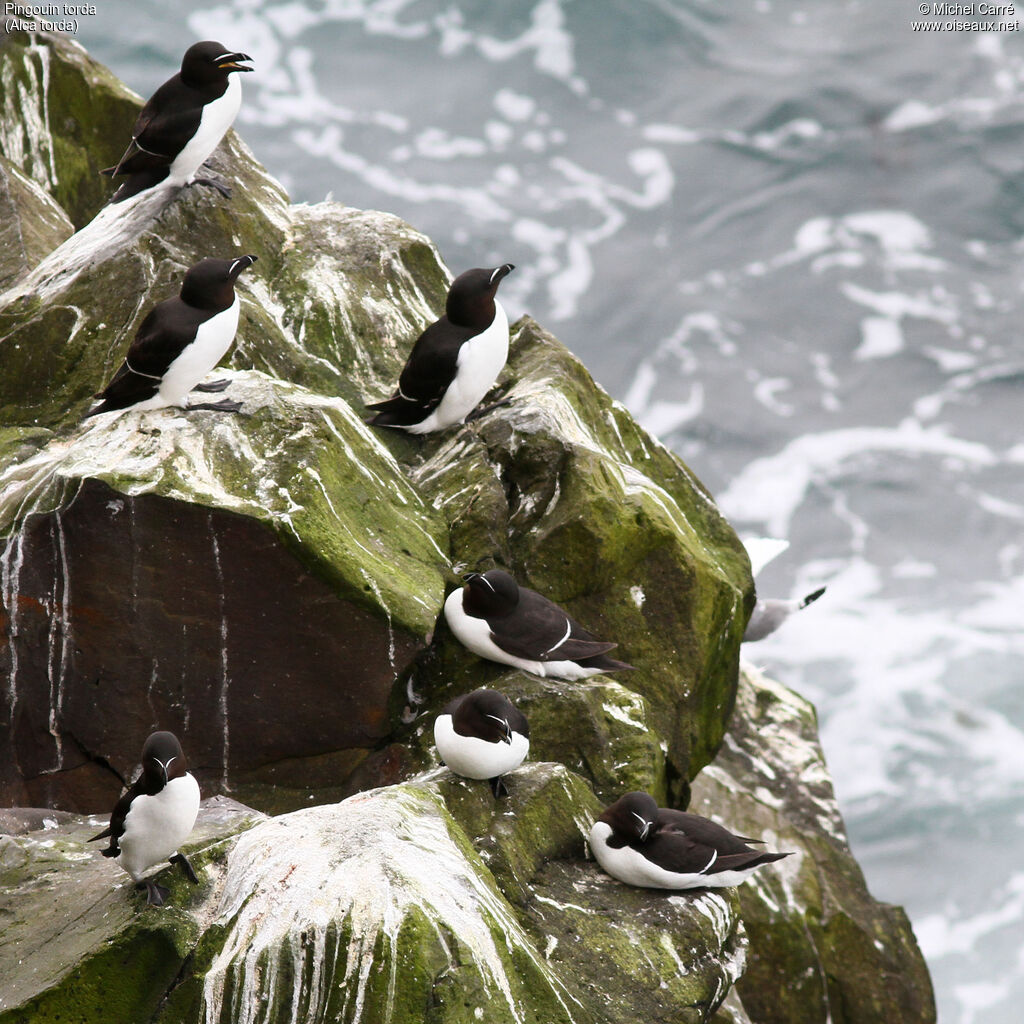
268	586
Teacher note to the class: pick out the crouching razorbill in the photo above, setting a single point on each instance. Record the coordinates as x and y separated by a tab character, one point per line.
155	816
182	122
454	361
482	735
499	620
179	342
642	844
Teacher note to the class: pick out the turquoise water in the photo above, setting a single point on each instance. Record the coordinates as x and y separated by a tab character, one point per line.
787	236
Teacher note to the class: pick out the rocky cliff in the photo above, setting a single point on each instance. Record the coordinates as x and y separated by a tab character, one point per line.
268	586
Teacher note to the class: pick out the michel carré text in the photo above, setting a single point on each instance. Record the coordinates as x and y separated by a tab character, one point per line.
973	10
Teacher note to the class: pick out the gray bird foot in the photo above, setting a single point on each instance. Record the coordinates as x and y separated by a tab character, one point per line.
156	895
223	189
182	861
213	387
498	787
225	406
484	410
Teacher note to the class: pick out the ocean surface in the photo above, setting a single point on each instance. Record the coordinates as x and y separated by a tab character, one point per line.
788	235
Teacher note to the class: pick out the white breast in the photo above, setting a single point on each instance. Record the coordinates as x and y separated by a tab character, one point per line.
479	363
217	118
631	867
475	758
213	339
157	825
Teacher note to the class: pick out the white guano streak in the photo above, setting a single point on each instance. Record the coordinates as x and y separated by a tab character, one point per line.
360	866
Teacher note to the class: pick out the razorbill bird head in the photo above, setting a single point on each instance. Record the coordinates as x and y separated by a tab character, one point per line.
470	300
490	594
162	760
210	283
632	817
486	715
210	61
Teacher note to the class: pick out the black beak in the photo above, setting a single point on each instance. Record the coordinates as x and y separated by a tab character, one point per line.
508	733
230	61
240	264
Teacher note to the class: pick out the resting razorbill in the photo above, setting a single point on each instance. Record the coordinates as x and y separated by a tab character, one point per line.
499	620
482	735
641	844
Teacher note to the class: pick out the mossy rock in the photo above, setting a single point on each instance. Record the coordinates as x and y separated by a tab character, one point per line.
821	949
31	223
63	118
218	567
566	491
78	944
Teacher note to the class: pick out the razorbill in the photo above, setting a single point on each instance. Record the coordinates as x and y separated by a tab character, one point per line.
770	613
642	844
179	342
182	122
454	361
499	620
155	816
482	735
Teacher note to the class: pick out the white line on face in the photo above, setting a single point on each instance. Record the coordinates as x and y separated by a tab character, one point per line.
643	821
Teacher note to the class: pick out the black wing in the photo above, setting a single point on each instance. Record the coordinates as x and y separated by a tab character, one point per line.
541	631
163	334
428	371
702	829
163	128
116	828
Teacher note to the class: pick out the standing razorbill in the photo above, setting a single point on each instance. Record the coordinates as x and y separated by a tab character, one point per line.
179	342
642	844
182	122
155	816
499	620
482	735
771	612
454	361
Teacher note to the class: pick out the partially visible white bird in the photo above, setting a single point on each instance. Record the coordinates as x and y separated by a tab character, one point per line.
770	613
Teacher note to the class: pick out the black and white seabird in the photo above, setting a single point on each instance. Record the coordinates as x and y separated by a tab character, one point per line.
482	735
641	844
155	816
182	122
454	361
179	342
769	613
499	620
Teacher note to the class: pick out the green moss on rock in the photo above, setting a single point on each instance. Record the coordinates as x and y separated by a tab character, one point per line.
566	491
821	949
78	944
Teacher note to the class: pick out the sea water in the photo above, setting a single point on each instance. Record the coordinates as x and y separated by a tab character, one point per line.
788	236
